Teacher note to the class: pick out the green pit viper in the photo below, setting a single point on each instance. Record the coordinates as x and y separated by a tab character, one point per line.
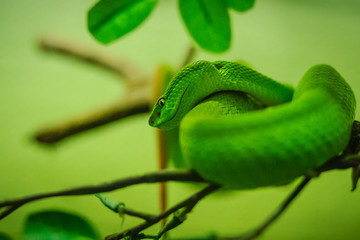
241	129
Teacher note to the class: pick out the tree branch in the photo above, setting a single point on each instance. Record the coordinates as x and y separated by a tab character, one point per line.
350	156
260	229
129	106
138	98
9	210
133	213
136	101
191	201
164	176
90	56
139	101
119	208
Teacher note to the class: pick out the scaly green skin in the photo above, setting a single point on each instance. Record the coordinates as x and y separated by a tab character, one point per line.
242	129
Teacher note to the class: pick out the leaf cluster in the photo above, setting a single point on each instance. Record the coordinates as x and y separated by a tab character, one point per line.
207	21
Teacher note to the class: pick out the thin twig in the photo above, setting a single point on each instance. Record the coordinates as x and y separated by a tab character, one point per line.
164	176
192	200
88	55
256	232
121	209
133	213
179	217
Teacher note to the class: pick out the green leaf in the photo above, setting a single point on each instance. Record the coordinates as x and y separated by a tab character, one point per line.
208	22
108	20
58	225
241	5
4	236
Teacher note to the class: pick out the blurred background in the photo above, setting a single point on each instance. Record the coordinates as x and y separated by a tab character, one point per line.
279	38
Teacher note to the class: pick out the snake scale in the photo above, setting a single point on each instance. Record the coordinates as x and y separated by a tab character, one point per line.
242	129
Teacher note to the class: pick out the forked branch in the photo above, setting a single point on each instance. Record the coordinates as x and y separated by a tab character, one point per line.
164	176
189	202
271	219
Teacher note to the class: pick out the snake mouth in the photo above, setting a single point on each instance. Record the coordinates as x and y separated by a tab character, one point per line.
152	122
155	117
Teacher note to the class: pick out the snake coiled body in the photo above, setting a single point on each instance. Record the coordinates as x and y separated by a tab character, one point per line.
241	129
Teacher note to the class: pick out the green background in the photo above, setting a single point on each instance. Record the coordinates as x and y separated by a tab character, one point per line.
279	38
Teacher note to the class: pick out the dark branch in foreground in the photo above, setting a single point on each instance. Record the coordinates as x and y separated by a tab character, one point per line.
119	208
191	201
348	159
10	210
260	229
138	101
188	176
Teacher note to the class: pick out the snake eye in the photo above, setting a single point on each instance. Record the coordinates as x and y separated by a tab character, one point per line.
161	102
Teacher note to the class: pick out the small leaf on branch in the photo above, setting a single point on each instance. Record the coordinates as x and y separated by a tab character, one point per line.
177	219
241	5
208	23
112	205
108	20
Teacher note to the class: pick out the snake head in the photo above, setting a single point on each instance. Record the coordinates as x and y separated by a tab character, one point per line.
164	115
155	117
158	116
170	109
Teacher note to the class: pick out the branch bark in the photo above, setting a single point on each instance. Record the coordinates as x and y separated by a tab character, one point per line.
164	176
129	106
136	101
191	201
272	218
76	51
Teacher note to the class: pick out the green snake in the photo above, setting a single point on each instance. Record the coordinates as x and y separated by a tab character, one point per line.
242	129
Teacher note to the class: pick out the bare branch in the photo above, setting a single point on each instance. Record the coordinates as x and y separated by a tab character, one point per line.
349	159
259	230
133	213
192	201
128	107
163	176
119	208
9	210
137	100
88	55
